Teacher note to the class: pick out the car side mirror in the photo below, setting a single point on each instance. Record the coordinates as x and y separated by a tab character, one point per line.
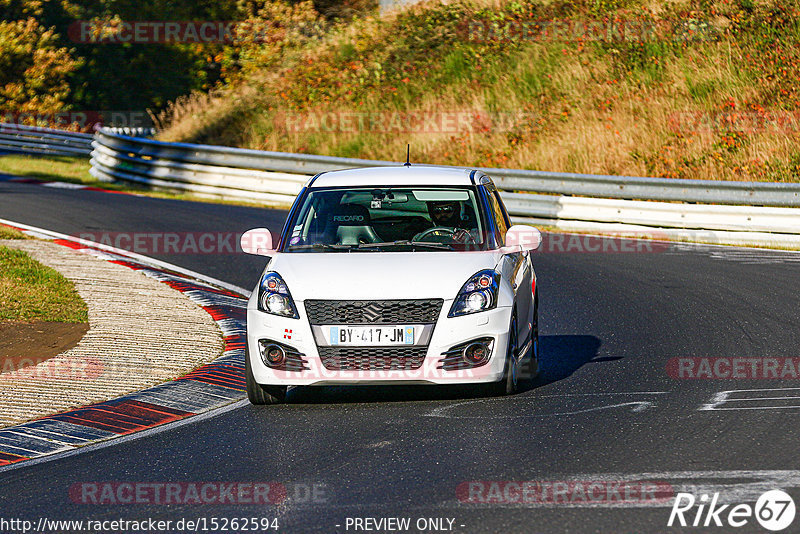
257	241
520	238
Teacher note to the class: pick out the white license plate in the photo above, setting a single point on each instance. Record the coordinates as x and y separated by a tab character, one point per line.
373	336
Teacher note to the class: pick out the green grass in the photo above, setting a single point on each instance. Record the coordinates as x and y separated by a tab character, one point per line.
60	168
656	106
11	233
30	292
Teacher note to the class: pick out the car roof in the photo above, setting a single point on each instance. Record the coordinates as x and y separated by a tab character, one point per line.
413	175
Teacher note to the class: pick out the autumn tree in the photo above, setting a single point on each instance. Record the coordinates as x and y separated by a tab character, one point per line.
34	69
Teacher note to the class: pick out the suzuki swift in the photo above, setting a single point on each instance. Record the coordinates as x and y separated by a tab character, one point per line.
393	275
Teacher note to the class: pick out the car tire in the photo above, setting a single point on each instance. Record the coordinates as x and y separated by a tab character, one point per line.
258	394
530	365
509	384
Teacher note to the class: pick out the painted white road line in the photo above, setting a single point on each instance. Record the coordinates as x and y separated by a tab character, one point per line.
64	185
637	406
152	262
727	400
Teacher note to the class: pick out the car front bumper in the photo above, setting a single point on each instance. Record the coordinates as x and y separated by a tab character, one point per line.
447	333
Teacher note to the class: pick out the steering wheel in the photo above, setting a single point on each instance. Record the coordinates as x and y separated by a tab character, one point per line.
436	229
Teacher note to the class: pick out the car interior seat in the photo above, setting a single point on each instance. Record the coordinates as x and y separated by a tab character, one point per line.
350	224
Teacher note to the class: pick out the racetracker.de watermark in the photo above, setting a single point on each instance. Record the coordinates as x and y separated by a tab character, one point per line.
86	120
58	368
189	32
178	243
169	242
564	492
456	121
746	122
605	29
733	368
200	493
594	244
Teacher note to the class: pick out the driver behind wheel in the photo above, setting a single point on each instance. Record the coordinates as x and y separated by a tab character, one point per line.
448	214
445	213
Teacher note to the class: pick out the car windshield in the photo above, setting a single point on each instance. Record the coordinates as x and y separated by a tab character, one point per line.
388	219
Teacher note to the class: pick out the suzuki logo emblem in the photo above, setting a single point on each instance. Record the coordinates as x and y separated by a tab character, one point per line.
372	312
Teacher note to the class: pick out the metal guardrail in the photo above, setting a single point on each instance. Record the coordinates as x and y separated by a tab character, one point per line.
664	189
535	197
36	140
551	208
49	141
277	177
206	170
160	154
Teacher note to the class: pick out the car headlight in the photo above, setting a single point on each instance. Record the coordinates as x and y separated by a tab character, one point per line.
274	297
477	295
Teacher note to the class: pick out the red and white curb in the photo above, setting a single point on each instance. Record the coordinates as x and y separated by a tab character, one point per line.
211	386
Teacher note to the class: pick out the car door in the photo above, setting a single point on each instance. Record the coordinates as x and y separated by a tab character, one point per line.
519	267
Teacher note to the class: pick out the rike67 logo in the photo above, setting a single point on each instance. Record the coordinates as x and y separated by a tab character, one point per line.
774	511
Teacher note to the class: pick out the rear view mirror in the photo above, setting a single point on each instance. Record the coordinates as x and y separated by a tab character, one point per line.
257	241
520	238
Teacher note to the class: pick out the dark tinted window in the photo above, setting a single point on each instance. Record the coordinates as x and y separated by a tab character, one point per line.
340	219
499	215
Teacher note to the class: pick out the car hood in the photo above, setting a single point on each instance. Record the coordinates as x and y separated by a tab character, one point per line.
379	275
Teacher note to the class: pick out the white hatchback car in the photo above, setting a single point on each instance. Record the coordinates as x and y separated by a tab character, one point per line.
393	275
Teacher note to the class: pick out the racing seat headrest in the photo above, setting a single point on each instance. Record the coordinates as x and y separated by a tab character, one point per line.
351	225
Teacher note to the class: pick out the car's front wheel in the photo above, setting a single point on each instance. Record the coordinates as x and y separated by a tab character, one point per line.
509	384
530	365
258	394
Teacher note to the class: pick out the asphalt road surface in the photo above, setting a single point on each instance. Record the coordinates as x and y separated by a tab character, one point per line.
604	410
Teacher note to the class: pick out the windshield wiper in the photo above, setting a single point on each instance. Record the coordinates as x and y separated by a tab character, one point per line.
401	242
321	246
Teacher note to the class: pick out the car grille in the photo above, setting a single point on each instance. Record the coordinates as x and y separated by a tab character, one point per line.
353	312
372	358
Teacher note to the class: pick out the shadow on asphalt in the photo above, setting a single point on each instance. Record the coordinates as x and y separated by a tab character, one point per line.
563	355
560	357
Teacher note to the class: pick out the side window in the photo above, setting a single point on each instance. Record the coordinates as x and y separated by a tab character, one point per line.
506	218
499	215
300	223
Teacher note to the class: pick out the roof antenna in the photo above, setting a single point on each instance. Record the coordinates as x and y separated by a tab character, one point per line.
408	156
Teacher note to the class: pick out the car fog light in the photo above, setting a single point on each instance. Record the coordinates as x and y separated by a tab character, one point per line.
273	355
475	353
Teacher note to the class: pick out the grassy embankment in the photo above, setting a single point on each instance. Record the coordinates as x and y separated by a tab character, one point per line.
689	89
31	292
